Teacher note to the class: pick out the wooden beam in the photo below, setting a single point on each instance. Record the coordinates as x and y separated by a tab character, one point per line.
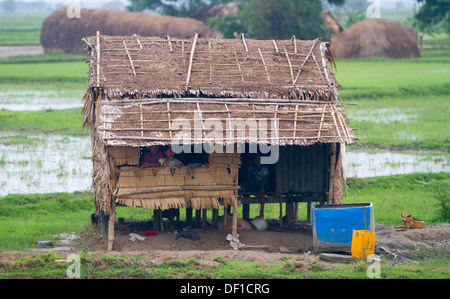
112	218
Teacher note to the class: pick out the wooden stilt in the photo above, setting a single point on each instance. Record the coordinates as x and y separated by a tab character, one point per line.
204	218
308	213
112	218
156	220
225	215
198	216
331	174
215	214
281	211
189	216
246	211
235	217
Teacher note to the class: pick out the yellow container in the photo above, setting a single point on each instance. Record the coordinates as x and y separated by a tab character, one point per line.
363	243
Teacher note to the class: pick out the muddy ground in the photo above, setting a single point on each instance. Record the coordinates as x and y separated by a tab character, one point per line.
272	246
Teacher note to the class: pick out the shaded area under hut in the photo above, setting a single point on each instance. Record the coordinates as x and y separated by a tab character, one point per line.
217	103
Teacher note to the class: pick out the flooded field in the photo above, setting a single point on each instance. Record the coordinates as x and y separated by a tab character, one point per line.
371	163
31	100
63	164
45	164
57	163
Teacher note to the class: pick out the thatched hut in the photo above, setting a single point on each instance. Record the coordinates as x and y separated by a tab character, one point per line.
376	38
209	97
64	33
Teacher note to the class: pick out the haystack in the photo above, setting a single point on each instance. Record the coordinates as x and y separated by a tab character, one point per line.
63	33
331	23
376	38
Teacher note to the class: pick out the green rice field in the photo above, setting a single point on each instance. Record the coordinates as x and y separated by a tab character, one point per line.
400	105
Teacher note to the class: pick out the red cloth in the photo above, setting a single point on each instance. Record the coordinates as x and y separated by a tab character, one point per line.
150	233
149	158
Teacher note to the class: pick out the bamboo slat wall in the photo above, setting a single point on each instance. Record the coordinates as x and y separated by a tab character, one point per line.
192	121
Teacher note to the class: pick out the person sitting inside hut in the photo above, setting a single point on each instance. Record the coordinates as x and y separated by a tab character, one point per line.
152	157
256	181
169	160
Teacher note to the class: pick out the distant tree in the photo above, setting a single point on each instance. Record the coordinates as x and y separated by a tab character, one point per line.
180	8
8	5
279	19
433	12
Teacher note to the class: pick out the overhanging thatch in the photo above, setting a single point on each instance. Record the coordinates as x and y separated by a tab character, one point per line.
160	91
154	67
142	86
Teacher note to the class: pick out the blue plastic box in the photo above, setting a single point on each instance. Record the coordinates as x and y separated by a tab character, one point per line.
333	225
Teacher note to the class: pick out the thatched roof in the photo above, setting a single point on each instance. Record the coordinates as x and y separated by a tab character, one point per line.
146	84
154	67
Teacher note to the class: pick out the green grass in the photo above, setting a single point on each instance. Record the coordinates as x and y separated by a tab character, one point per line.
23	123
20	28
432	264
392	195
66	72
420	122
26	219
417	88
387	75
56	56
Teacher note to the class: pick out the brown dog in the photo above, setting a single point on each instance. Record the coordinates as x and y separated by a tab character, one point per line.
411	222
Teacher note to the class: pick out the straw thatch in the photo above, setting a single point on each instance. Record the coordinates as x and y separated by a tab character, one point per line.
140	87
64	33
376	38
242	68
287	81
165	188
194	121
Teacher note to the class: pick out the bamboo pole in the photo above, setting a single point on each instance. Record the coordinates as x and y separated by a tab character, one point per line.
294	40
98	58
191	59
290	65
245	44
239	66
170	43
238	100
264	63
331	174
111	221
321	121
306	59
235	217
199	140
129	57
